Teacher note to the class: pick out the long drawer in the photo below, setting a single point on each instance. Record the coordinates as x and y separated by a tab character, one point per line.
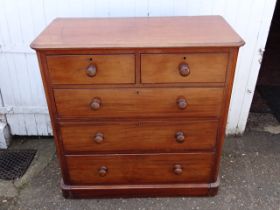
140	169
180	67
139	102
92	69
139	136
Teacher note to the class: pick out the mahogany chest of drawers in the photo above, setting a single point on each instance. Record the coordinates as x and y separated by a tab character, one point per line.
138	105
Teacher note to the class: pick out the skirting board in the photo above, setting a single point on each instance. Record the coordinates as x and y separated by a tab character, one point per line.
153	190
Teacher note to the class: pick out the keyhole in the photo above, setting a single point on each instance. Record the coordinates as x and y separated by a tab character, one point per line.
90	59
184	58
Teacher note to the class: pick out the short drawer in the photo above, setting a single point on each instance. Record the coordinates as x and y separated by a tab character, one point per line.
91	69
140	168
139	102
179	68
139	136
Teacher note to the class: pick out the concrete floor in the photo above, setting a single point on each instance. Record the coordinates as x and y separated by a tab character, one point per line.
250	179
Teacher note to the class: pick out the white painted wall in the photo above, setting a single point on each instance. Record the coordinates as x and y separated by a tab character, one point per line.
22	20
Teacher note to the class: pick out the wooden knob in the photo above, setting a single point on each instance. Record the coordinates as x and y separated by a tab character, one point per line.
177	169
180	136
184	69
99	137
103	170
91	70
95	104
182	102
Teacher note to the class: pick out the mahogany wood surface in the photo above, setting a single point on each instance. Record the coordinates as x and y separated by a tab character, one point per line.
223	121
139	102
144	190
144	32
140	168
139	136
164	68
72	69
138	105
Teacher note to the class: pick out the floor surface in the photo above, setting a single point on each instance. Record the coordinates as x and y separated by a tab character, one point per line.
250	179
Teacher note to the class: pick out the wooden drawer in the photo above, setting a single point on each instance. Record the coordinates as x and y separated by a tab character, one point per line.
196	67
141	136
140	168
91	69
139	102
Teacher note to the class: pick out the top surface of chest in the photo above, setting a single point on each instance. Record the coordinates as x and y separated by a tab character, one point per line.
144	32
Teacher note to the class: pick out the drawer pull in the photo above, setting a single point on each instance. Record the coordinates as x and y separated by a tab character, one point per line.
99	137
182	103
180	136
95	104
91	70
103	170
184	69
177	169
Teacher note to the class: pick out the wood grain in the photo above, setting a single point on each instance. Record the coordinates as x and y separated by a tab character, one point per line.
139	102
51	104
140	168
144	32
138	126
137	190
138	136
72	69
223	121
163	68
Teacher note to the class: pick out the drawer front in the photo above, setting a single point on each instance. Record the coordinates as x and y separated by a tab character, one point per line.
177	68
142	136
139	102
140	169
91	69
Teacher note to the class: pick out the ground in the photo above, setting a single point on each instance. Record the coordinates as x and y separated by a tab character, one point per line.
250	178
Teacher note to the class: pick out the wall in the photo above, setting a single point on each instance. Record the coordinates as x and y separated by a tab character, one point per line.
22	20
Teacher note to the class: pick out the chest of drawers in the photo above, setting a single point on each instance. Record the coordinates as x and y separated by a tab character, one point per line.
138	105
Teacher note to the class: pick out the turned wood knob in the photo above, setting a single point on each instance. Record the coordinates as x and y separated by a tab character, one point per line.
95	104
177	169
103	170
184	69
91	70
182	103
99	137
180	136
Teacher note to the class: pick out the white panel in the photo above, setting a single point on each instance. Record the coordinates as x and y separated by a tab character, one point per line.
141	8
14	29
35	81
180	7
218	7
101	8
121	8
25	18
254	69
4	33
247	62
205	7
73	8
21	21
161	7
193	7
8	84
37	11
16	123
43	124
29	124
